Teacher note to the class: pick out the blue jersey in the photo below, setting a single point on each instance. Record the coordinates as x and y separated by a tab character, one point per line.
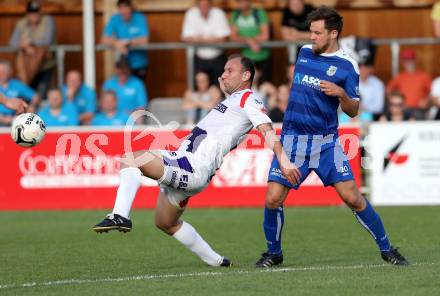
68	116
310	111
136	27
131	96
102	119
15	89
84	99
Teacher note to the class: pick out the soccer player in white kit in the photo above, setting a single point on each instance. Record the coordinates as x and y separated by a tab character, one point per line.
187	171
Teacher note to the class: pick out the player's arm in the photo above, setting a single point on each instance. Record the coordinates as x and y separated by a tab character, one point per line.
349	105
13	103
289	170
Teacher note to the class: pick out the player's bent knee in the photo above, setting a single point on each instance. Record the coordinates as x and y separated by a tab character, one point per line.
273	201
162	225
166	226
354	200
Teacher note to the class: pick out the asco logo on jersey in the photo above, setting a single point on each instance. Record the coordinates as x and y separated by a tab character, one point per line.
307	80
394	157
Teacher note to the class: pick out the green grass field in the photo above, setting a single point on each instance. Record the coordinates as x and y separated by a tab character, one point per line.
326	253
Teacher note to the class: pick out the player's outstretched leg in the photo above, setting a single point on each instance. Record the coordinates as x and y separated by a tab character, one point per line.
168	220
370	220
273	225
133	166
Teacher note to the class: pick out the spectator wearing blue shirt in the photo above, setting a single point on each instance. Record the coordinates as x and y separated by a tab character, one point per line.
130	91
125	29
109	115
13	88
83	96
58	112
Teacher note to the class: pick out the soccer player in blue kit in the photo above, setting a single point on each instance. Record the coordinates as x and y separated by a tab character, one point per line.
324	78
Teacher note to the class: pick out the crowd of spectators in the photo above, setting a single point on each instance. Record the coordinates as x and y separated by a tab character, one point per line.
410	95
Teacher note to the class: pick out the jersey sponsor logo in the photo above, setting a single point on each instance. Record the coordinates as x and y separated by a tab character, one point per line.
302	60
307	80
221	108
331	70
356	90
173	177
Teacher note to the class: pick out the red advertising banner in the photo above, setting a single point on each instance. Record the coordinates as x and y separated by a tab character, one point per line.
40	178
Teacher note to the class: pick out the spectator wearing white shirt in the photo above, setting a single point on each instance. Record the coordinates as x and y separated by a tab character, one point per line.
204	23
434	112
372	91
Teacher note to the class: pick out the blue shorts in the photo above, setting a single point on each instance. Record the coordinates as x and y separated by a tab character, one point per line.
322	154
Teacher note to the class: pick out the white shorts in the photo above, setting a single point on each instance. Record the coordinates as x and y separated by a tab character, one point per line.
182	177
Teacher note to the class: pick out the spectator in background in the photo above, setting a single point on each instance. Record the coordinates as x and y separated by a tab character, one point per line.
58	112
32	37
13	88
204	23
130	90
125	29
397	110
83	96
371	89
282	99
434	112
413	84
109	115
435	18
198	103
251	25
294	25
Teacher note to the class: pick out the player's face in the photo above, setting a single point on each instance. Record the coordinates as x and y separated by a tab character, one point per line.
233	77
321	38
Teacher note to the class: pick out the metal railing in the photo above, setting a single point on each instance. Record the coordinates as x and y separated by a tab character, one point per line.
393	43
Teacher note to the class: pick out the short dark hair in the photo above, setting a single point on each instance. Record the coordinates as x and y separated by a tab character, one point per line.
397	94
110	92
33	6
246	65
124	2
332	20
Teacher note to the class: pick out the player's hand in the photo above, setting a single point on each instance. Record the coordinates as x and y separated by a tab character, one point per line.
290	172
331	89
16	104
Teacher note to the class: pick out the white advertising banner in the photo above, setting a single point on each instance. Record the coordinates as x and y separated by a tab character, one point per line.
405	163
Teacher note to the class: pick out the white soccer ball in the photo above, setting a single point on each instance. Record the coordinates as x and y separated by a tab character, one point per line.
28	129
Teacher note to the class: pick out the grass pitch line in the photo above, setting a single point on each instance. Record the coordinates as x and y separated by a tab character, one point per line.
200	274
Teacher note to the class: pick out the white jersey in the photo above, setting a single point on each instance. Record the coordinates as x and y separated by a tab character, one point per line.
224	128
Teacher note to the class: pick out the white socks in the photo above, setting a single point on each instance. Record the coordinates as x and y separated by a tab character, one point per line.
189	237
130	181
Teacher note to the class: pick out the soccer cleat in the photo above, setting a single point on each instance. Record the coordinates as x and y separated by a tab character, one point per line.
225	262
394	257
268	260
113	222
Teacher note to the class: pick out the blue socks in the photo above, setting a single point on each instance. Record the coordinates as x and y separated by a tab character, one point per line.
273	226
371	221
